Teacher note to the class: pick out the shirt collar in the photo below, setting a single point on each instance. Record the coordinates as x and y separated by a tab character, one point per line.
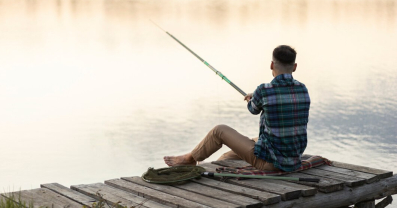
283	76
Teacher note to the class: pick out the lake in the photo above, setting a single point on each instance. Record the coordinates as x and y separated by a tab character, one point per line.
91	90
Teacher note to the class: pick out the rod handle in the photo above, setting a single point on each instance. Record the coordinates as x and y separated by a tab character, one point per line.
208	174
316	180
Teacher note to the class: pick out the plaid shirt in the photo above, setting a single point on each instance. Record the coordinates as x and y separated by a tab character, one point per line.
284	106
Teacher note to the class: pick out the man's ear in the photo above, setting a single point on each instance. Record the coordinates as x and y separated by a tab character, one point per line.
295	65
272	65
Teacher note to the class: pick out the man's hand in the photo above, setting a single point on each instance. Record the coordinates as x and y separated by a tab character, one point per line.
248	97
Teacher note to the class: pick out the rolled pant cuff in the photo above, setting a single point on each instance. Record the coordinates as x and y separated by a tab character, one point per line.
196	156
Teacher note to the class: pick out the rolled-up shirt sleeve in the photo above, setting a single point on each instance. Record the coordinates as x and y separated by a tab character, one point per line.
255	104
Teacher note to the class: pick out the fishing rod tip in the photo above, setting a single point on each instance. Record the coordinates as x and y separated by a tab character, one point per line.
157	25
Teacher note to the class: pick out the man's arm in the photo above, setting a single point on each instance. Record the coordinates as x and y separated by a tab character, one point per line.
254	101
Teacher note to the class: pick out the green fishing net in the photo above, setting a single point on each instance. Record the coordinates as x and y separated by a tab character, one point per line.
172	175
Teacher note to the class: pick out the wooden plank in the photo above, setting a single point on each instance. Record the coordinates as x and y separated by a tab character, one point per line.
69	193
306	190
369	177
351	181
154	195
381	173
13	197
265	197
209	167
42	197
199	198
115	196
325	185
206	191
221	195
286	192
346	197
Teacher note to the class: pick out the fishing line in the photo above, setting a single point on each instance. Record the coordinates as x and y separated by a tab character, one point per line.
202	60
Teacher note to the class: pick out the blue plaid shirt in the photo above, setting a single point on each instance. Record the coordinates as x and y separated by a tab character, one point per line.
284	106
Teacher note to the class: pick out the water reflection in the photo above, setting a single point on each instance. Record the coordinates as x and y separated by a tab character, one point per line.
88	84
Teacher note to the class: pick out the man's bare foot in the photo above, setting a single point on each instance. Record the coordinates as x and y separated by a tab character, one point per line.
186	159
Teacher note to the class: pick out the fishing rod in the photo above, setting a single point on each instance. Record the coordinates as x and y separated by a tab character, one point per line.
206	63
178	174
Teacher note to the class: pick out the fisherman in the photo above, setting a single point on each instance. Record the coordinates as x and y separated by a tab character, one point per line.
284	107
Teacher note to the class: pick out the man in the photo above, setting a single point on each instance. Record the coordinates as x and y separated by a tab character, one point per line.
284	106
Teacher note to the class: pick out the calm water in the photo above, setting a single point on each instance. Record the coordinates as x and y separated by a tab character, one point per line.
91	90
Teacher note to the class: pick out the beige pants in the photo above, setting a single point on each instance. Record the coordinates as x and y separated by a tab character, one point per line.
242	147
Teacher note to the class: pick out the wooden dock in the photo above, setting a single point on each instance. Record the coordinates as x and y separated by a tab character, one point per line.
341	185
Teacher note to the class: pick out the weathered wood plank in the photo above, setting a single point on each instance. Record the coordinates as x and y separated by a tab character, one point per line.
209	167
114	196
15	197
286	192
265	197
348	180
199	198
370	178
325	185
381	173
155	195
69	193
220	195
346	197
42	197
207	191
306	190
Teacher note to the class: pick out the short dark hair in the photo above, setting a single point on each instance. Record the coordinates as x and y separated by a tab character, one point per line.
284	54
